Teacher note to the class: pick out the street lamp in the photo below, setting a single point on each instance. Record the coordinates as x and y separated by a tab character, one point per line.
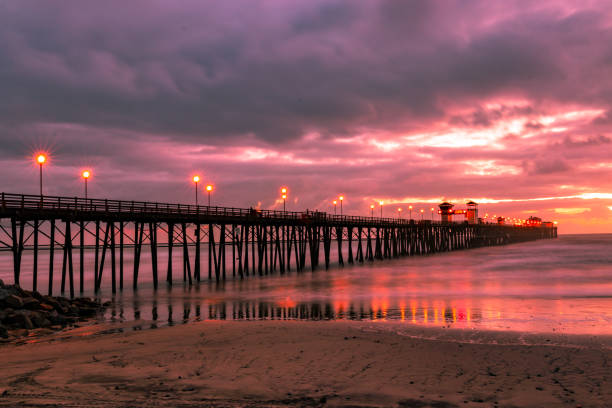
284	197
381	207
399	213
195	180
410	208
432	210
335	202
85	176
341	198
209	189
422	211
372	210
41	159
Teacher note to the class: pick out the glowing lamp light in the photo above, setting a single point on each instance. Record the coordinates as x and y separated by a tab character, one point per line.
86	174
284	190
422	210
399	209
196	179
284	196
381	202
209	187
372	206
41	158
341	198
335	202
410	207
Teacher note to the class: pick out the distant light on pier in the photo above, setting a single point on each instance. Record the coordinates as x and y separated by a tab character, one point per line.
209	189
86	174
41	159
284	192
196	179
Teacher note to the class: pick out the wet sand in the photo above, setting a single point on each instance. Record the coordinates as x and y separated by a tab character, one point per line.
297	363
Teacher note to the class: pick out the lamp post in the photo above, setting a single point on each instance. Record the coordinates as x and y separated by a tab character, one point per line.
399	213
422	211
372	210
195	180
432	215
341	198
86	175
335	202
284	197
410	208
381	207
41	159
209	189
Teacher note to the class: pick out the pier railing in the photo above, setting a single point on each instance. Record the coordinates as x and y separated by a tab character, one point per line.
94	206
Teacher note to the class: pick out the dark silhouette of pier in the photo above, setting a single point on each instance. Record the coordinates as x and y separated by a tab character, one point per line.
256	242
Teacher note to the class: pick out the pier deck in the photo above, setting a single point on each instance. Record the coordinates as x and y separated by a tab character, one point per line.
256	242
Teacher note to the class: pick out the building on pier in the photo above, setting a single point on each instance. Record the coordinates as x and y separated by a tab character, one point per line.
446	212
471	214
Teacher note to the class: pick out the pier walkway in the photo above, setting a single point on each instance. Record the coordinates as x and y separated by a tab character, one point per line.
254	242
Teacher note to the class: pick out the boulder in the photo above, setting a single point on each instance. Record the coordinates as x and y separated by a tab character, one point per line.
30	303
14	301
46	307
27	323
38	319
74	310
36	295
51	301
20	320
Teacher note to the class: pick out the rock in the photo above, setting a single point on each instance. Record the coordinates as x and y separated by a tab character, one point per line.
27	323
37	296
54	303
14	301
30	303
19	332
3	332
74	310
45	306
1	283
38	320
21	320
3	294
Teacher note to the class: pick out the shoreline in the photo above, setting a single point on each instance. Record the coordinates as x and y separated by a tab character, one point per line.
300	363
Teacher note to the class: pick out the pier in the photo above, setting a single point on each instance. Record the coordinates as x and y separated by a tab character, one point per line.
237	241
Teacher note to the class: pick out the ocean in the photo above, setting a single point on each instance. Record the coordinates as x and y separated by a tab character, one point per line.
562	285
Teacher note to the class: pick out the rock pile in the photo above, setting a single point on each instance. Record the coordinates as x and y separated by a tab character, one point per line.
21	309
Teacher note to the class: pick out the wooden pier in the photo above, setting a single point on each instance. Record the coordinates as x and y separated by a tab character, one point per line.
255	242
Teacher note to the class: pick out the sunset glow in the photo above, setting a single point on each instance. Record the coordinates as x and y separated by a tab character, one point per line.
462	113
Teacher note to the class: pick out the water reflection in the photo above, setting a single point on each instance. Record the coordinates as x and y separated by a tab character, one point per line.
550	285
187	309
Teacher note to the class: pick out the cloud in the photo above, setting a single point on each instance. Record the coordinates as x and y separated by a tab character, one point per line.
372	98
571	211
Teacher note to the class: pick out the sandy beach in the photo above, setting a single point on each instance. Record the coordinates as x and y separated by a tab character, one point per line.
296	363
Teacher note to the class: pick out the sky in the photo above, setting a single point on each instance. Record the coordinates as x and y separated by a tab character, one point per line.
505	103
